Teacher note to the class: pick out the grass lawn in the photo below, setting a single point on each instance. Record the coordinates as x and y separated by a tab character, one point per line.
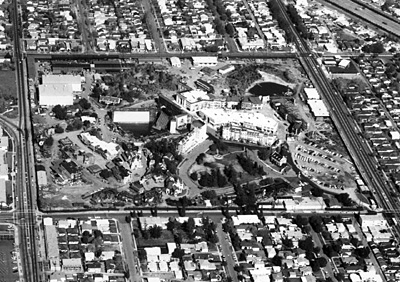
8	86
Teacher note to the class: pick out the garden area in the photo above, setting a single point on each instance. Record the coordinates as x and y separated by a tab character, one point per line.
226	170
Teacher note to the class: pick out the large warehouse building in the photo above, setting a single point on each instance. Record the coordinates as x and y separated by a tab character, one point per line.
59	89
131	117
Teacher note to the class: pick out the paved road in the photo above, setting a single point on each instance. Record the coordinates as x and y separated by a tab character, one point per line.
187	163
129	249
227	250
318	243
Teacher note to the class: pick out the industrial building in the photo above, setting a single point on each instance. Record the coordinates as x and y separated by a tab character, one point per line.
59	89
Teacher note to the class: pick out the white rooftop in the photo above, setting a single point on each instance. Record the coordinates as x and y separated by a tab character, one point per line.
251	118
311	93
195	95
318	108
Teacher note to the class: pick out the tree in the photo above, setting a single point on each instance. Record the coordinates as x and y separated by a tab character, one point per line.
60	112
287	242
307	244
230	29
301	221
209	194
315	265
362	252
128	219
194	176
263	154
344	199
200	158
84	104
105	173
49	141
178	253
317	192
190	225
155	231
277	260
322	261
58	129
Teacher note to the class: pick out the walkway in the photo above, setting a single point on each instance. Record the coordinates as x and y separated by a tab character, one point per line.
187	162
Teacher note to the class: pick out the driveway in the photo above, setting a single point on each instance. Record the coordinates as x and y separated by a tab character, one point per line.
187	162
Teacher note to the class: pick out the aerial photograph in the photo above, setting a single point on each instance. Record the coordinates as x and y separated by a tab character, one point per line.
200	141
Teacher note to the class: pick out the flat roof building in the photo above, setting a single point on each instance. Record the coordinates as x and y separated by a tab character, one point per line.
250	119
59	89
204	61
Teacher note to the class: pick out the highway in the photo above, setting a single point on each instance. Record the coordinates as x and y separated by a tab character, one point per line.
347	127
368	14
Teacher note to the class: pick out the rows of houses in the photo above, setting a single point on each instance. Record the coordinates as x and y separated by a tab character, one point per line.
50	26
201	261
119	26
345	233
328	25
261	242
379	118
378	233
187	24
274	36
72	248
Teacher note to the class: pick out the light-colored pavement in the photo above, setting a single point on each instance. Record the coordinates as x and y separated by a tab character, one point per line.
184	166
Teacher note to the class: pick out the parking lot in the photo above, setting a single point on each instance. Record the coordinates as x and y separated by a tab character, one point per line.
6	262
329	169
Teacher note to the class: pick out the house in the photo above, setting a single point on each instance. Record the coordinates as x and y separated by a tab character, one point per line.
277	159
175	62
226	69
197	134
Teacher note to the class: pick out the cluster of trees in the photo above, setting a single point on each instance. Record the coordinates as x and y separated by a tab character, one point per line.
84	104
213	179
246	197
154	232
76	124
344	199
279	17
376	48
316	223
249	166
298	22
160	148
316	262
58	129
264	153
218	145
221	15
60	112
243	77
138	82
